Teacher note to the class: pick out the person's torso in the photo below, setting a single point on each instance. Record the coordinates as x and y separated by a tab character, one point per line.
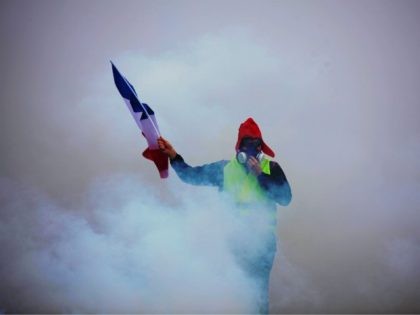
245	191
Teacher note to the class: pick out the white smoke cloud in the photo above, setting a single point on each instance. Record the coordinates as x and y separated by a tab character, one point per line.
132	254
140	244
325	103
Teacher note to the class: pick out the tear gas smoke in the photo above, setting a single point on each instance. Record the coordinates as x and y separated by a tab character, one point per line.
334	87
132	254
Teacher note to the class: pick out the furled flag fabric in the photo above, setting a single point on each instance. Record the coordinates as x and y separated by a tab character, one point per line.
145	119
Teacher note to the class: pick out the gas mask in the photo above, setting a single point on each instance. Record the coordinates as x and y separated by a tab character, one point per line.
249	147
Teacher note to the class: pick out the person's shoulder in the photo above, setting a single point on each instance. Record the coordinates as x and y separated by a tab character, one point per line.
217	165
274	165
221	163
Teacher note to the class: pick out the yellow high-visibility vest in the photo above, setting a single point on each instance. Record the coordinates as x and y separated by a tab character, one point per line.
242	186
245	189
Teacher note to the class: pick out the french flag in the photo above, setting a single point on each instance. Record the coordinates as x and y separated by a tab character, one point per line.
145	119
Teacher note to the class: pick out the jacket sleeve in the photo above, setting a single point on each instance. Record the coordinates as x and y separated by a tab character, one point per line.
206	175
276	184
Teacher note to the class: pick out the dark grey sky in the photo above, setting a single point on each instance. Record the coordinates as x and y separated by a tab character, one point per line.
334	86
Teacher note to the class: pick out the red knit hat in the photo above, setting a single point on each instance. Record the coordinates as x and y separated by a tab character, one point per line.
249	128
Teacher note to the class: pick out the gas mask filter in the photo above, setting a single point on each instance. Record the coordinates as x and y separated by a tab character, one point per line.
249	147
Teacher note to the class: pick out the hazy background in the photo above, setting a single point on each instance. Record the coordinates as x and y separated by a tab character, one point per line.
334	85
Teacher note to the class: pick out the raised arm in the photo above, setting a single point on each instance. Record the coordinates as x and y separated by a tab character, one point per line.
208	174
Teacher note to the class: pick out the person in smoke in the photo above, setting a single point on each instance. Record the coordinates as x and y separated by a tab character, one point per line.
256	184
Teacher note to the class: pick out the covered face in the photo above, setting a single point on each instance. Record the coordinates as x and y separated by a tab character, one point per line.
249	133
251	146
